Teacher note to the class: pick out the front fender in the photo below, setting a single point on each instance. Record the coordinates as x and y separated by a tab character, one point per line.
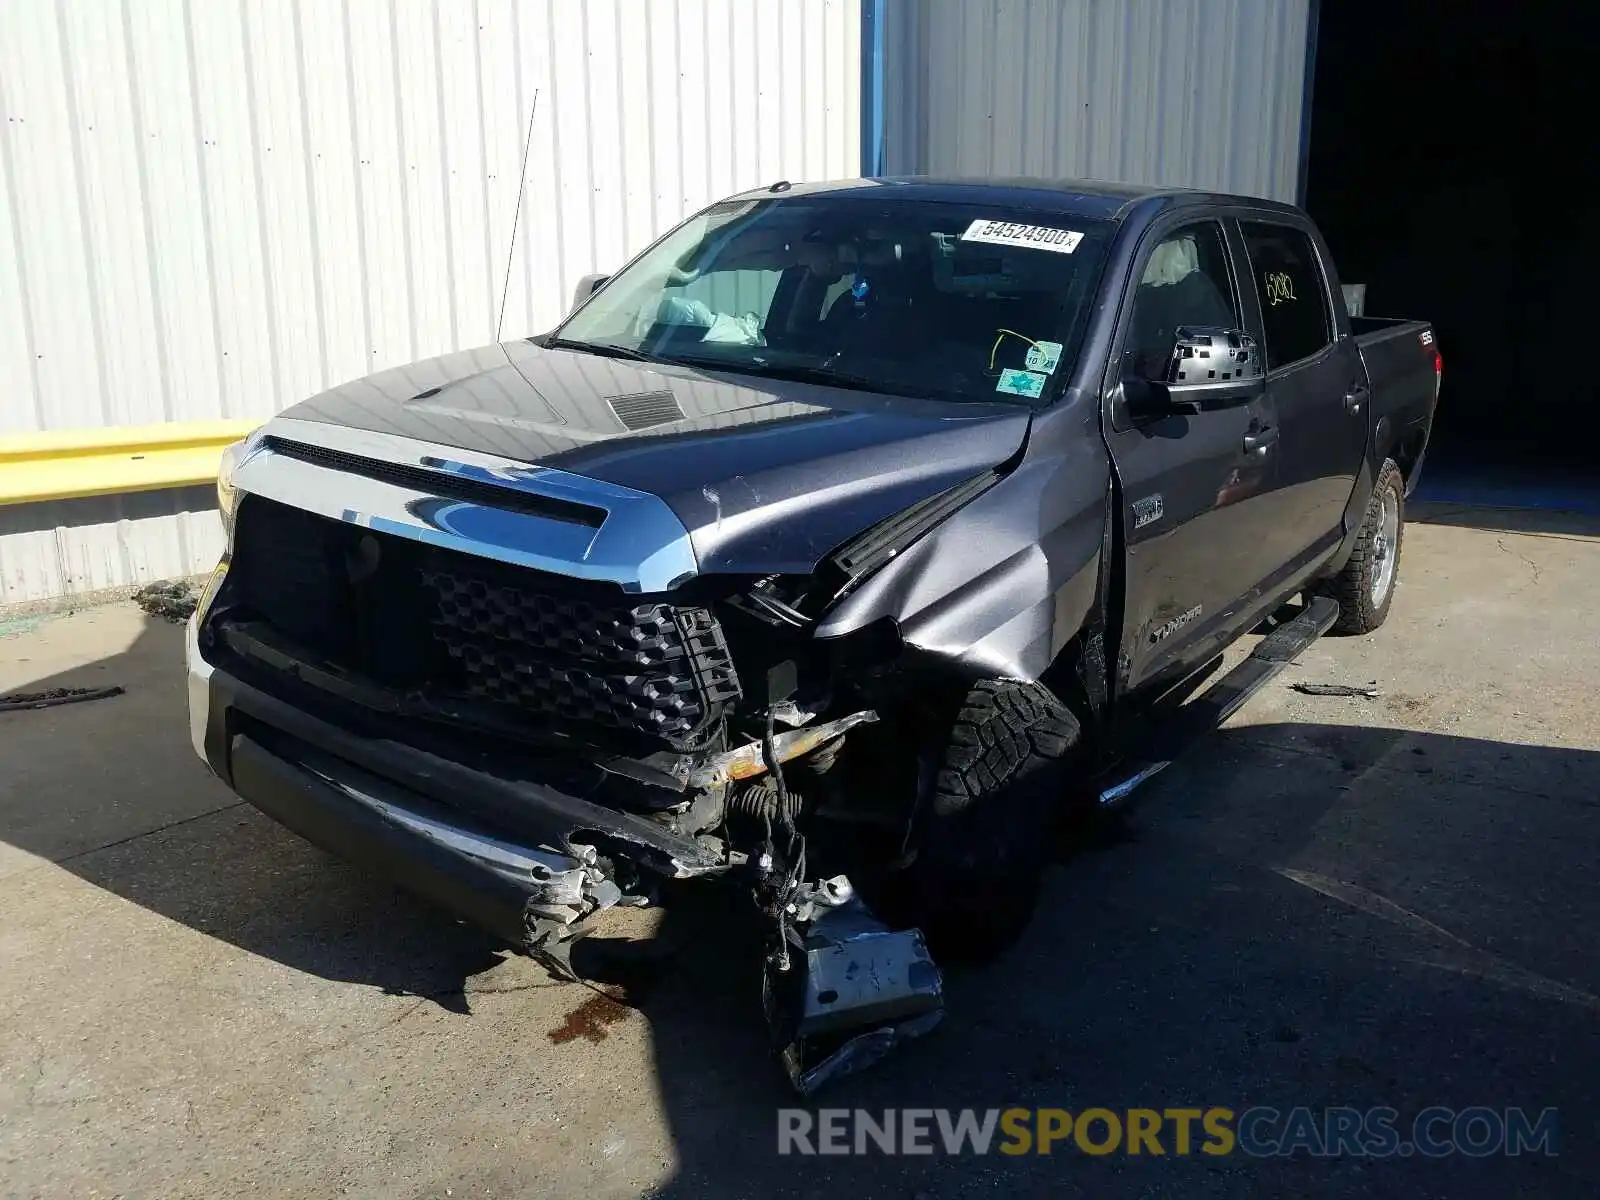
1004	583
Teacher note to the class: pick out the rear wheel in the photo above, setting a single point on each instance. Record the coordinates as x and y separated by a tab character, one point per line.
1365	588
982	827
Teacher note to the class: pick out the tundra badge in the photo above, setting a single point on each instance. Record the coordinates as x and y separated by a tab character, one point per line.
1171	627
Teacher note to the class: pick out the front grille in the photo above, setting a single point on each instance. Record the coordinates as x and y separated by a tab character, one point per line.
656	667
544	647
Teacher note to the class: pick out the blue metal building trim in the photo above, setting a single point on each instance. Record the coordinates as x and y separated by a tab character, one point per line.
872	132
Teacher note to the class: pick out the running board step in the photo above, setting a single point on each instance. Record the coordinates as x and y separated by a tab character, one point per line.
1222	699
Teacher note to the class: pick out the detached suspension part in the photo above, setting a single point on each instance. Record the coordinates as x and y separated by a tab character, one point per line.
843	989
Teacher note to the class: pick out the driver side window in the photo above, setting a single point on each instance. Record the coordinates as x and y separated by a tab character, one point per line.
1186	281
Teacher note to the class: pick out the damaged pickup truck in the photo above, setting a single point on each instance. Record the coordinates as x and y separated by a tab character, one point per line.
839	541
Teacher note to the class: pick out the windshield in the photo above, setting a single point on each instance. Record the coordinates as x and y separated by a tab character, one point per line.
919	298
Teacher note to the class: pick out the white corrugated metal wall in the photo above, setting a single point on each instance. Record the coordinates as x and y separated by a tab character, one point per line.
214	209
1190	93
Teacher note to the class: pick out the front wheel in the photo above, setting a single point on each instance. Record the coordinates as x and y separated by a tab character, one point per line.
1365	587
982	827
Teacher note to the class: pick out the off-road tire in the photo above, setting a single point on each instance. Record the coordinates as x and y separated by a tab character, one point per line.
1360	610
982	827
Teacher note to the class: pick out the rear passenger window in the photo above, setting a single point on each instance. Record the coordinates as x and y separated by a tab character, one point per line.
1294	307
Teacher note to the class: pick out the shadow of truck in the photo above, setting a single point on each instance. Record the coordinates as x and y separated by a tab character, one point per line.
1300	914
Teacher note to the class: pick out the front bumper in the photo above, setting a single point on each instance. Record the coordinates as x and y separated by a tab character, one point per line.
518	858
524	862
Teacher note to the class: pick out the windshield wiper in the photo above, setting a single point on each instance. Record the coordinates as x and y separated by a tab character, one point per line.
605	350
830	377
794	373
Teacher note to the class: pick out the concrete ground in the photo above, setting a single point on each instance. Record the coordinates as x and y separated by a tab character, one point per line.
1330	902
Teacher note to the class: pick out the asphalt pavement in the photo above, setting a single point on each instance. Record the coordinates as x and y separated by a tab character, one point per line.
1332	902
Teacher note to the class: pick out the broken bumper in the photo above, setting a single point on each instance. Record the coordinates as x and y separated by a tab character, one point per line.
517	858
524	861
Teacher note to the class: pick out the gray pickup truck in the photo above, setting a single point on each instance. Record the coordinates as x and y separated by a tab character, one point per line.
835	545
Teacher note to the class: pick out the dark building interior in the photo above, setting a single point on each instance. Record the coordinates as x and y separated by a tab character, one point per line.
1448	142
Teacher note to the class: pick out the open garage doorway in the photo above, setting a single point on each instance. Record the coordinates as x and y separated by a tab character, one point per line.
1448	139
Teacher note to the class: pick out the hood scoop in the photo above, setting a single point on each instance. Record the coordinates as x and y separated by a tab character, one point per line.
646	410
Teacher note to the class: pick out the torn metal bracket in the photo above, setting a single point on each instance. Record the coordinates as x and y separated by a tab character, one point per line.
550	941
569	895
857	1054
551	944
865	988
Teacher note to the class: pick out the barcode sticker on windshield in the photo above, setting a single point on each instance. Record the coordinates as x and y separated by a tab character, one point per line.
1031	237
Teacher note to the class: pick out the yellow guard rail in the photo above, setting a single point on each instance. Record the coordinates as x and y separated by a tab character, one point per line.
101	462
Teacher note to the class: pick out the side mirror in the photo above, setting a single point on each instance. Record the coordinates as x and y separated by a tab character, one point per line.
1204	359
587	286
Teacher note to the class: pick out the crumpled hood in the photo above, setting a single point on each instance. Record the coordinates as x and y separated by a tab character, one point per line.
766	475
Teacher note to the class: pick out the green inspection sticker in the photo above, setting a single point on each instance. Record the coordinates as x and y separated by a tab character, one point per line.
1022	383
1044	356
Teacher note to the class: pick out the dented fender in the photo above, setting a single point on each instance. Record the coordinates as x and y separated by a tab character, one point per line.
1001	586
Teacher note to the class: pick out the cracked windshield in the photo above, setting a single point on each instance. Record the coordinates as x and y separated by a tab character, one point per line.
943	301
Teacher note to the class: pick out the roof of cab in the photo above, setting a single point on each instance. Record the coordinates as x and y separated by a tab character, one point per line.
1084	197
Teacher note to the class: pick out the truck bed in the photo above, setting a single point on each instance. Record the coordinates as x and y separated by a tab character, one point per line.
1370	331
1402	364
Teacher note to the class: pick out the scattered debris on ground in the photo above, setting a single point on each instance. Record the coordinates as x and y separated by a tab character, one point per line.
1367	691
172	599
18	701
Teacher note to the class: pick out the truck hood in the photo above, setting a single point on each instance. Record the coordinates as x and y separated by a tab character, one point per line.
765	475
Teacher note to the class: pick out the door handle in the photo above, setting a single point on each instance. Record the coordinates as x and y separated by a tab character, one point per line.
1259	441
1353	399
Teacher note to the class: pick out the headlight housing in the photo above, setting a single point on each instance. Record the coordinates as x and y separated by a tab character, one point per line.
227	467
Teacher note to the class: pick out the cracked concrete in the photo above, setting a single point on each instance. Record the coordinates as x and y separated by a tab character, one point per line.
1332	901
